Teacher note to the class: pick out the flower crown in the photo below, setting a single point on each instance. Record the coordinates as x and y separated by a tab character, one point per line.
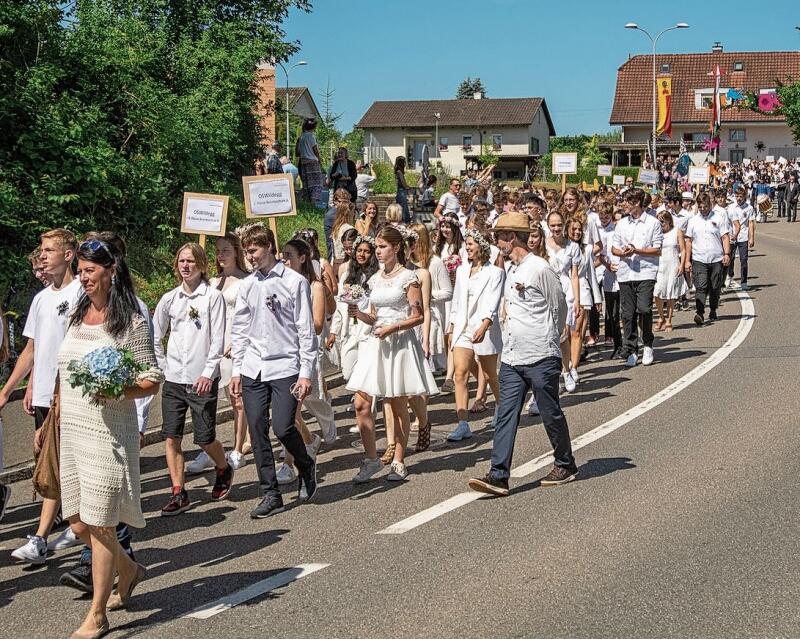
408	234
364	238
479	239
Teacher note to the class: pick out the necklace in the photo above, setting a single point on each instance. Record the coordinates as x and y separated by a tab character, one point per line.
390	273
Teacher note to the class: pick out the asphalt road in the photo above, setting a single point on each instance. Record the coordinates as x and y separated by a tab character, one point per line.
683	522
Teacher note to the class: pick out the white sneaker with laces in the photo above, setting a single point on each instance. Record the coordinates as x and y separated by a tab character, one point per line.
398	471
285	474
66	539
200	464
533	407
647	356
573	373
367	469
34	551
313	448
734	285
569	383
236	459
632	360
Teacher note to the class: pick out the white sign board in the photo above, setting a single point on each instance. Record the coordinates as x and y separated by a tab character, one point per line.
618	179
698	175
269	195
204	214
604	170
770	158
648	176
565	163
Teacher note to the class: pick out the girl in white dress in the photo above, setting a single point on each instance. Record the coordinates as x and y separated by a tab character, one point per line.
231	269
345	218
474	324
590	294
391	363
565	258
670	283
449	241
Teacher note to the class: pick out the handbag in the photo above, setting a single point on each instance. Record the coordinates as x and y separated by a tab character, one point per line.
46	477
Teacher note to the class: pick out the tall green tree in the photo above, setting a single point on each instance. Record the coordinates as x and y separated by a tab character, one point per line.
469	87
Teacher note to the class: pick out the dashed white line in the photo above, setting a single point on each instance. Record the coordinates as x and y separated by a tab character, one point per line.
251	592
543	461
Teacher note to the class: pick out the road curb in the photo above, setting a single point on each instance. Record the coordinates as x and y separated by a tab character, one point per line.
24	471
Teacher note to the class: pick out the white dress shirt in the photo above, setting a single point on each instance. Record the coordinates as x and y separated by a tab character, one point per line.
744	214
643	233
706	234
535	312
196	345
273	326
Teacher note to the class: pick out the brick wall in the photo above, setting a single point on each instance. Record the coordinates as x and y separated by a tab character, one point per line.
265	108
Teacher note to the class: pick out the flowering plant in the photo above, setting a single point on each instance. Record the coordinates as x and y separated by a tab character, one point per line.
104	371
452	262
352	294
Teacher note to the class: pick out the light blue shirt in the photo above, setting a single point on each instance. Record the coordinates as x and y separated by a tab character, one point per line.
291	168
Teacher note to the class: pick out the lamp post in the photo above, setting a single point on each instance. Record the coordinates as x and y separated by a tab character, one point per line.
654	41
302	63
437	115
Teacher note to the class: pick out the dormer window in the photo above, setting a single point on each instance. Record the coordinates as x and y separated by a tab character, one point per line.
738	66
665	68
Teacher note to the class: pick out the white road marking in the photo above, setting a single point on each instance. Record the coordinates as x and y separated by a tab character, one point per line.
259	588
543	461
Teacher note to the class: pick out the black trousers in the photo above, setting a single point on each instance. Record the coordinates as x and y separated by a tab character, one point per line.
612	318
707	282
791	211
636	301
257	397
744	253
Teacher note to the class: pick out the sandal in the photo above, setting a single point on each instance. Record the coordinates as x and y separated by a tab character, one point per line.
388	456
423	438
478	406
659	326
668	327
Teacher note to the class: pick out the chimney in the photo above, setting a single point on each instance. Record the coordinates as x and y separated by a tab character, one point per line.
717	47
477	96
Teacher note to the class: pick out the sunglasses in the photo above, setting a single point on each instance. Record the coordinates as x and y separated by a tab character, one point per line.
95	246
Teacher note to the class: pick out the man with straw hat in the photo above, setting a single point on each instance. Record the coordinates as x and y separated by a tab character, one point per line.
536	312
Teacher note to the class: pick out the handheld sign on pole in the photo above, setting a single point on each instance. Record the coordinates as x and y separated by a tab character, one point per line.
269	196
604	170
204	214
698	174
647	176
618	179
564	164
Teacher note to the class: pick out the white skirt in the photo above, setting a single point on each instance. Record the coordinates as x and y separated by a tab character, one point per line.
392	367
492	341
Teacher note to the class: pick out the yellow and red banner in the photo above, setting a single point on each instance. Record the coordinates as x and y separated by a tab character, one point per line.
664	87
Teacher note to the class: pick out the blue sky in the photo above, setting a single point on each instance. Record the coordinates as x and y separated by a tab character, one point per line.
565	51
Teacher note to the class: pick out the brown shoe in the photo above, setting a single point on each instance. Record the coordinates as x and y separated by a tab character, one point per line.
559	475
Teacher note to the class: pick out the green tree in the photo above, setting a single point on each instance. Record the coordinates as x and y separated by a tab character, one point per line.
469	87
789	95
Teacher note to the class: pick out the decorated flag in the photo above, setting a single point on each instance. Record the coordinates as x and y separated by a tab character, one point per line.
716	107
664	107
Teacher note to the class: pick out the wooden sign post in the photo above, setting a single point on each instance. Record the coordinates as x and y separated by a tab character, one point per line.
269	196
604	171
204	214
564	164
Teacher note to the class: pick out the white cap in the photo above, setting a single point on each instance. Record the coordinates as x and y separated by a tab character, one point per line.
687	195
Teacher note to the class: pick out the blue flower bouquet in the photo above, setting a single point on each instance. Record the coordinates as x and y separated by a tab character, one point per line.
104	372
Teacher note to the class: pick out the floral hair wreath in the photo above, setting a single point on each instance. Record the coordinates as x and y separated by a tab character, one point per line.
408	234
364	239
479	239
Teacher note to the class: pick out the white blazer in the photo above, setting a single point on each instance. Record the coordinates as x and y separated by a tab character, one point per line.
489	286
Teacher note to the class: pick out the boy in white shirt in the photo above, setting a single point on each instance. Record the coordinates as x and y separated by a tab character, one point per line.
194	315
744	240
45	328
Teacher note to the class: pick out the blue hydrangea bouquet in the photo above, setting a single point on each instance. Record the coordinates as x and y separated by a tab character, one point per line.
104	372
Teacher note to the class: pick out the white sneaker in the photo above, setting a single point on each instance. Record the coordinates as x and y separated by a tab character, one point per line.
727	283
569	383
647	356
285	474
34	551
573	373
632	360
533	407
398	472
200	464
313	448
734	285
354	430
236	459
367	469
66	539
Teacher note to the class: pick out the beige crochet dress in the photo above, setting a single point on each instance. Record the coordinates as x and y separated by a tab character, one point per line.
100	444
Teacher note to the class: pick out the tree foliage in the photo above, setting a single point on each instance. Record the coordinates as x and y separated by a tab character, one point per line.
110	109
789	95
469	87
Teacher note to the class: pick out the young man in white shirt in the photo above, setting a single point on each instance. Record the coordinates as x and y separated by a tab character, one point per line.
194	315
274	351
637	243
708	251
45	328
745	239
449	202
607	270
536	312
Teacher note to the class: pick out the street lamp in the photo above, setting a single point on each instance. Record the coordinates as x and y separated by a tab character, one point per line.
633	25
437	115
302	63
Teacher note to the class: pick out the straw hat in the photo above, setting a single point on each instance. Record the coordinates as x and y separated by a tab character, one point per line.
513	221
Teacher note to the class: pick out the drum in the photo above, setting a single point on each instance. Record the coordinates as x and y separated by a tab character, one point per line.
764	203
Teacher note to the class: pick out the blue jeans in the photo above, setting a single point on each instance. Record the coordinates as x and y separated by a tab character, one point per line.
515	382
402	199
